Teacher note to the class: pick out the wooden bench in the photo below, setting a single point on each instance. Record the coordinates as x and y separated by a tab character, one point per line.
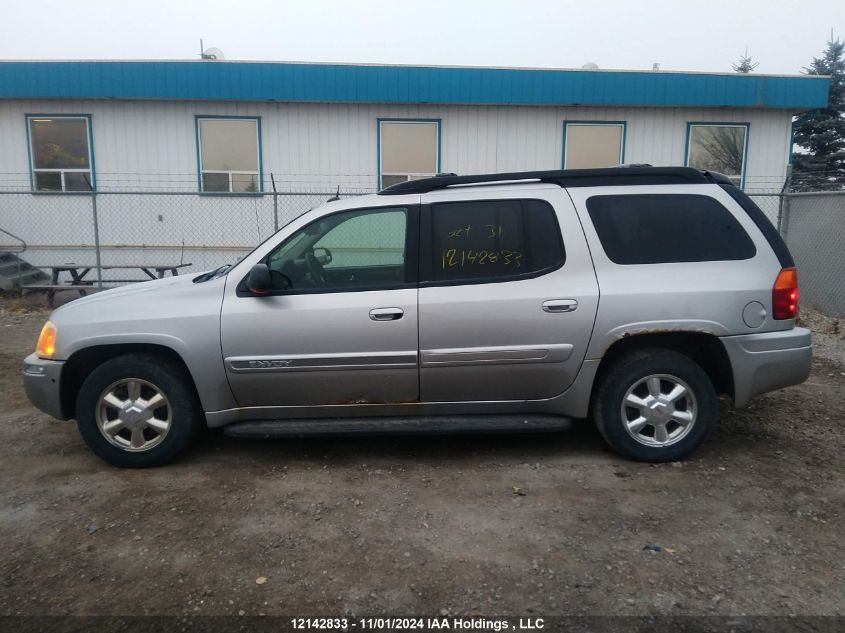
83	286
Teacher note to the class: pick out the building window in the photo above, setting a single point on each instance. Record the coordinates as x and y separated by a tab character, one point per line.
718	147
229	155
593	144
60	153
408	150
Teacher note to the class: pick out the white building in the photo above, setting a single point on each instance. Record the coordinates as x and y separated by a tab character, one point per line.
210	128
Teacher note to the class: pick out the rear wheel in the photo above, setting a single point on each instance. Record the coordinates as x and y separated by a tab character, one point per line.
138	411
655	405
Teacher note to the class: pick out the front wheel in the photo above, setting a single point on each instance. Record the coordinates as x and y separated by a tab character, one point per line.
655	405
138	411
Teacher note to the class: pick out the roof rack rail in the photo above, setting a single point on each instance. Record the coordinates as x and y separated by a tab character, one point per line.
610	176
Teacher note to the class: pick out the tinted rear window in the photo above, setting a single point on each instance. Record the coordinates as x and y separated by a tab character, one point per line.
762	222
662	228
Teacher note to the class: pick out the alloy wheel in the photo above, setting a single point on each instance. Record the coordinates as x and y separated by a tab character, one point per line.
659	410
133	415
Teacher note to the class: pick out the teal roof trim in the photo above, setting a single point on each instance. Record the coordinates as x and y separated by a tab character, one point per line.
260	81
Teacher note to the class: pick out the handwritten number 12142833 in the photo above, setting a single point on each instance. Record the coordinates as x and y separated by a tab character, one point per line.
469	257
463	257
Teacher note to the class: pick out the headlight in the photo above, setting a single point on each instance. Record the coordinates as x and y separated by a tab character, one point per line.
46	346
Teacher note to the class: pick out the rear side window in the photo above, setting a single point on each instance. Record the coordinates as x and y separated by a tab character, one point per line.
494	240
762	222
663	228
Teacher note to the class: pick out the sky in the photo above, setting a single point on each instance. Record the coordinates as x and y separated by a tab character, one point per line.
783	36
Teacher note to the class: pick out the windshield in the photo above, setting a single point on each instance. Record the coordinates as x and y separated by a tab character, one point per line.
222	270
213	274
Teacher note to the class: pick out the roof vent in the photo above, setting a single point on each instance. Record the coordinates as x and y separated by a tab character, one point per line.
590	66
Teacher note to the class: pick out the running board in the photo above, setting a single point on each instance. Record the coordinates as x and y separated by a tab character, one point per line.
326	427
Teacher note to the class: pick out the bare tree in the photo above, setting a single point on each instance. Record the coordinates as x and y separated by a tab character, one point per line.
723	149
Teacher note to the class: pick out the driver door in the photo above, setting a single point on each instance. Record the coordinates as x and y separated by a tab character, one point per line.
340	326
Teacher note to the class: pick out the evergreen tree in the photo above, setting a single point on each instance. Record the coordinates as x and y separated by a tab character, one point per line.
820	161
746	64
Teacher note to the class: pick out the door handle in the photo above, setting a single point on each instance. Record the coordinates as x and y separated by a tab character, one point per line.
560	305
386	314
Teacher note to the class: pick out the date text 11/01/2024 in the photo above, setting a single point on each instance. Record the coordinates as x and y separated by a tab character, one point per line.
418	624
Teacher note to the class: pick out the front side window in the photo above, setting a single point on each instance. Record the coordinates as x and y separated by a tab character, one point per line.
229	155
719	148
493	240
348	251
590	145
665	228
60	152
408	150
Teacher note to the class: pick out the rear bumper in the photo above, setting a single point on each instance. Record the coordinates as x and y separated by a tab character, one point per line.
768	361
41	380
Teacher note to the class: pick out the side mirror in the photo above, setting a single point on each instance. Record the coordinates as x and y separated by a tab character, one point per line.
258	282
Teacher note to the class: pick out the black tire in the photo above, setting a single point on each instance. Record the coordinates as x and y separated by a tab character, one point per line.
168	377
626	372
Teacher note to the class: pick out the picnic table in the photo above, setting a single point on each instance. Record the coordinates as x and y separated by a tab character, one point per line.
83	284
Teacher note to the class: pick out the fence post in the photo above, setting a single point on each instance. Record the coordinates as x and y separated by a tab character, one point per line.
783	220
96	231
275	204
782	200
97	240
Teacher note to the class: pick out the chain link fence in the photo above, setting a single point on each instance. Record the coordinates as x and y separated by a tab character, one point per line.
130	233
771	204
813	224
156	230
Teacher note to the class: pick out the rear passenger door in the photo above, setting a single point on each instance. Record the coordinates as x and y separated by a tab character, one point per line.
507	294
675	258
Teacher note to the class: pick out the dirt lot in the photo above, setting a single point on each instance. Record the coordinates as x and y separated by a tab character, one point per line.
515	524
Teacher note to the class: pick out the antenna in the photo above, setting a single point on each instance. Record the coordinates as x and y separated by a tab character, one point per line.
211	53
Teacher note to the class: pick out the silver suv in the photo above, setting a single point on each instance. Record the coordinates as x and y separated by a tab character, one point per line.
633	296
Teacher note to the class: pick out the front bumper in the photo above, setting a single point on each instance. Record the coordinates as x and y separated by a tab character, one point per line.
41	379
768	361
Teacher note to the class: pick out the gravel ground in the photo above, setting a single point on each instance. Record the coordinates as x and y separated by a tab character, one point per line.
511	524
828	334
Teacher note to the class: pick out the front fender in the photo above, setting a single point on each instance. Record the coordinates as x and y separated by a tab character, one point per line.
181	316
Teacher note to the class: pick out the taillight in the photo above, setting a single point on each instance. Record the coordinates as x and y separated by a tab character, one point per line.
785	294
